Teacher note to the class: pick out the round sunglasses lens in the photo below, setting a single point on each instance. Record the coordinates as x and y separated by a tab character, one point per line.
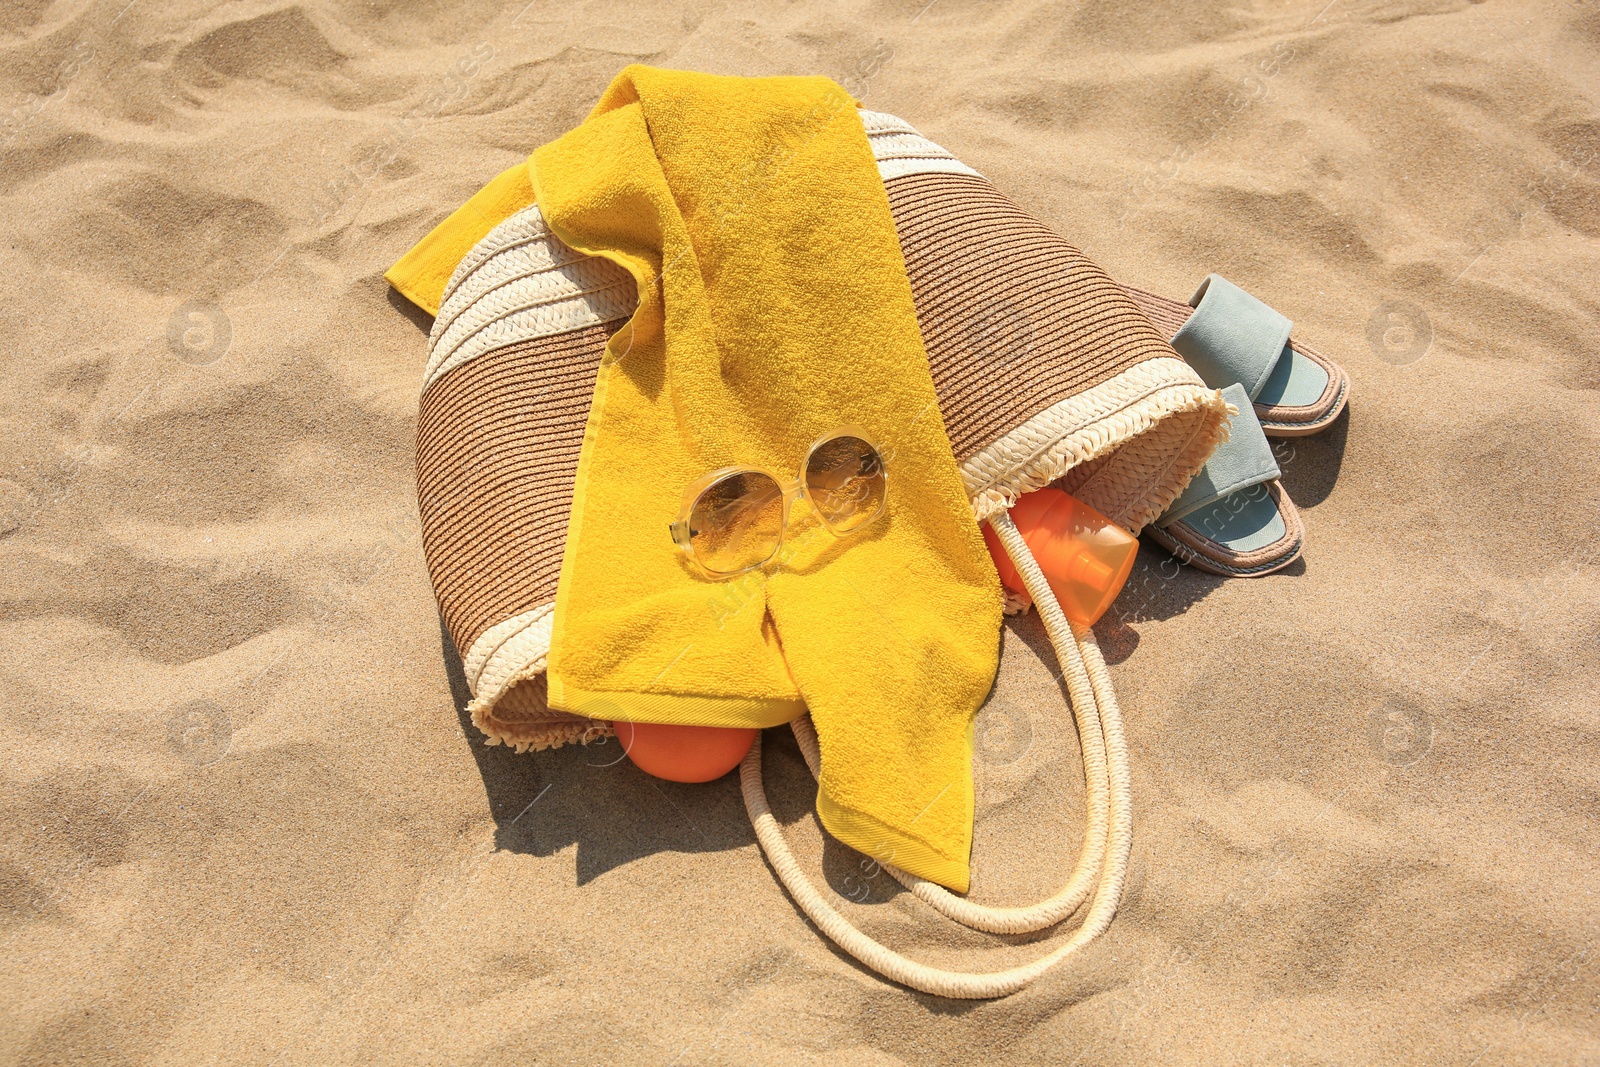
845	478
736	522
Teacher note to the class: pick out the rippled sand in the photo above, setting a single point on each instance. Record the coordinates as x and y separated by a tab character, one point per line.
244	822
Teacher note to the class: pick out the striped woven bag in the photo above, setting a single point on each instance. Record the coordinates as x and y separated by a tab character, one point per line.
1046	371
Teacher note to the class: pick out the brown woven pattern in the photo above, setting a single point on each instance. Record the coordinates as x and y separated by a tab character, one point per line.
1117	484
1167	315
497	455
1014	318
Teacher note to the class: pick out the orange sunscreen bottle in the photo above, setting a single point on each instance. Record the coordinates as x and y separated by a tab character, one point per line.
1084	555
684	753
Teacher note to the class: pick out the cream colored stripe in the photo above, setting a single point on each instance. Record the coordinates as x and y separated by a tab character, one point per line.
525	226
881	122
519	283
521	288
1094	422
901	150
523	259
507	650
899	167
558	301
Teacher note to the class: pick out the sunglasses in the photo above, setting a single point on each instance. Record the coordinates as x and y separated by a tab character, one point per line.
733	520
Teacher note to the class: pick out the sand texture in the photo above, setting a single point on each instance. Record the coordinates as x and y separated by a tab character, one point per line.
245	821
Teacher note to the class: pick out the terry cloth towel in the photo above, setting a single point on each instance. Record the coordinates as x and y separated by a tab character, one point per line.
775	309
1044	370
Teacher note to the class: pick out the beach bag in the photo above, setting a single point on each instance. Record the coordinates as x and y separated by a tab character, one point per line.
1046	371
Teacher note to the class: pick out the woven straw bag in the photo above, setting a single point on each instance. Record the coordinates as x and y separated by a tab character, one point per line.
1046	373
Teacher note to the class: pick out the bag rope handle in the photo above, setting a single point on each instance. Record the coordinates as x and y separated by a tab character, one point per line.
1107	841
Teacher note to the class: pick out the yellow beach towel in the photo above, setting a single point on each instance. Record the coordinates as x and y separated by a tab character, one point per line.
774	308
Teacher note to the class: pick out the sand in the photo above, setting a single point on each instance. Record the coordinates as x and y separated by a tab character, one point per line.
245	821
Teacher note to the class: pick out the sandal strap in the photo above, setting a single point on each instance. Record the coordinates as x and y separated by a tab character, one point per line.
1243	460
1232	336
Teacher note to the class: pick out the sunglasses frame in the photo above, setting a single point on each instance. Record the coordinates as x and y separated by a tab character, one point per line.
792	489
